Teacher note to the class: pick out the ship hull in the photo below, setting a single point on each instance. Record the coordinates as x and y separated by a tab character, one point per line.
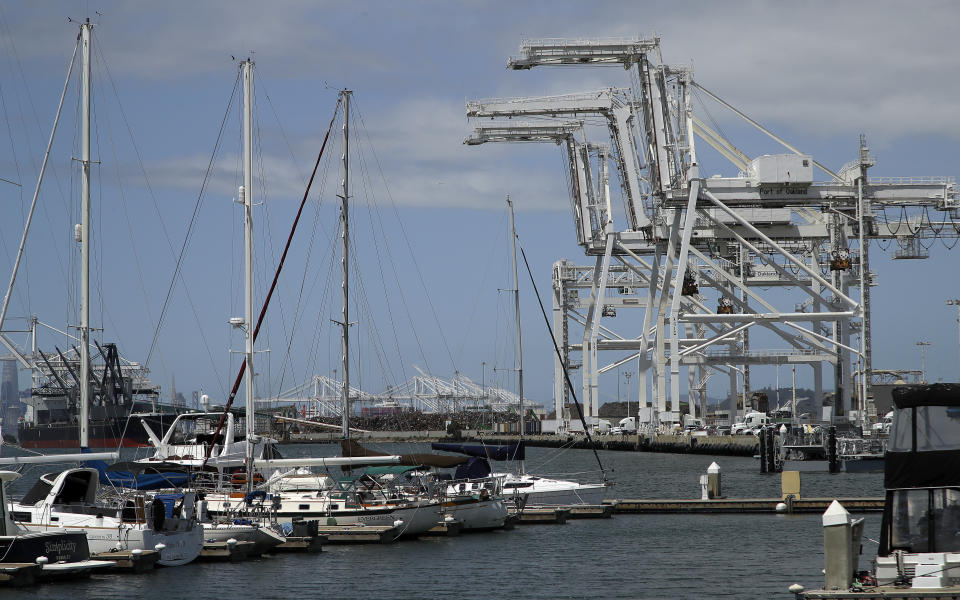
113	434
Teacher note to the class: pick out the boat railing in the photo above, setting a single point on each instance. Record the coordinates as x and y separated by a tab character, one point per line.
492	485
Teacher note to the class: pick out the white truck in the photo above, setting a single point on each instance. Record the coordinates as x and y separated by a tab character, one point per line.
752	421
627	425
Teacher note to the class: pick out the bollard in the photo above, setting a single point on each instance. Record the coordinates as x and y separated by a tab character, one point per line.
833	461
762	439
840	557
713	481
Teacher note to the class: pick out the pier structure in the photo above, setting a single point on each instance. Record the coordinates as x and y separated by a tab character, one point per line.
777	248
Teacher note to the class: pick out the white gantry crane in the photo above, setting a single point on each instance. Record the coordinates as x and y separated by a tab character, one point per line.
692	241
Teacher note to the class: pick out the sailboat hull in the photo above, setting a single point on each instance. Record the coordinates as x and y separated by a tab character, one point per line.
477	515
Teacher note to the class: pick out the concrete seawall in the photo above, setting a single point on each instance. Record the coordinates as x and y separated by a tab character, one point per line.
721	445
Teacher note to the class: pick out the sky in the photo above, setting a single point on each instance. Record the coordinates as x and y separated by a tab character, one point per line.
432	268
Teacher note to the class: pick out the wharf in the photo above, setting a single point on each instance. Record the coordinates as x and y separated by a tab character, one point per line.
130	561
719	445
740	505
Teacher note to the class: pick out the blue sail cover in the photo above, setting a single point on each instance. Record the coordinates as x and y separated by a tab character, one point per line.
139	481
475	468
506	452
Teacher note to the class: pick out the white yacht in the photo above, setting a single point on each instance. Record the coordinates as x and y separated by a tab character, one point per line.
68	501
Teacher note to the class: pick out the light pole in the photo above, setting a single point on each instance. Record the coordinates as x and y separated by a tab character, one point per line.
923	347
628	375
956	302
483	383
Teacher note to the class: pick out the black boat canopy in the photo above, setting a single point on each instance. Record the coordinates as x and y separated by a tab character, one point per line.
924	446
937	394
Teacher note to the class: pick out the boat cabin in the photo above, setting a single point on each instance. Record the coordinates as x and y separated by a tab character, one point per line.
922	480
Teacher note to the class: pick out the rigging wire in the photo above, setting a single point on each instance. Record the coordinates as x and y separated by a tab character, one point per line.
566	373
482	285
190	229
406	239
276	277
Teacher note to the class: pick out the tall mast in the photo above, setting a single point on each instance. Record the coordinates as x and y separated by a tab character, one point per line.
246	70
85	41
344	267
516	308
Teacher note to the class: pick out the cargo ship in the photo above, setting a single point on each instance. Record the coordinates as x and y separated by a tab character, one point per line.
121	397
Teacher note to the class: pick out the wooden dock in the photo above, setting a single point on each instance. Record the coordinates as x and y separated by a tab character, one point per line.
130	561
740	505
359	534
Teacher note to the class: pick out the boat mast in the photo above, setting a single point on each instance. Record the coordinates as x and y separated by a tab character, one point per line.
246	193
85	41
516	308
344	267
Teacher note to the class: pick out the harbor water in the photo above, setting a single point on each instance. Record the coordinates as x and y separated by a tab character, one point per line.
627	556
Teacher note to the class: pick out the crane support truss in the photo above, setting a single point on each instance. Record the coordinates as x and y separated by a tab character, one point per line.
698	255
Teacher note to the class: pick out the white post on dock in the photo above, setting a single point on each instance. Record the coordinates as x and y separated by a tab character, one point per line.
841	547
713	481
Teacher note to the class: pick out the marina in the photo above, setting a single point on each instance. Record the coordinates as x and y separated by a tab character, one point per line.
401	376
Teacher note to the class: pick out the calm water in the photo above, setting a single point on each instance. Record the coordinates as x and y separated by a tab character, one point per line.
628	556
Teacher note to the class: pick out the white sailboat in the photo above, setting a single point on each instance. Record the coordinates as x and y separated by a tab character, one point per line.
522	487
69	500
223	461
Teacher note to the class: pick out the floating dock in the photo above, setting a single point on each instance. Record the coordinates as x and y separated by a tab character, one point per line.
541	515
446	529
131	561
741	505
19	574
226	551
884	592
304	543
359	534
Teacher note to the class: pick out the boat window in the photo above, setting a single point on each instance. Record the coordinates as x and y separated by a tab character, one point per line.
518	485
938	428
946	510
304	507
910	525
37	493
901	431
76	488
917	513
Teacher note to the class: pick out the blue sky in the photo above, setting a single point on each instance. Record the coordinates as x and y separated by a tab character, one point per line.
434	223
